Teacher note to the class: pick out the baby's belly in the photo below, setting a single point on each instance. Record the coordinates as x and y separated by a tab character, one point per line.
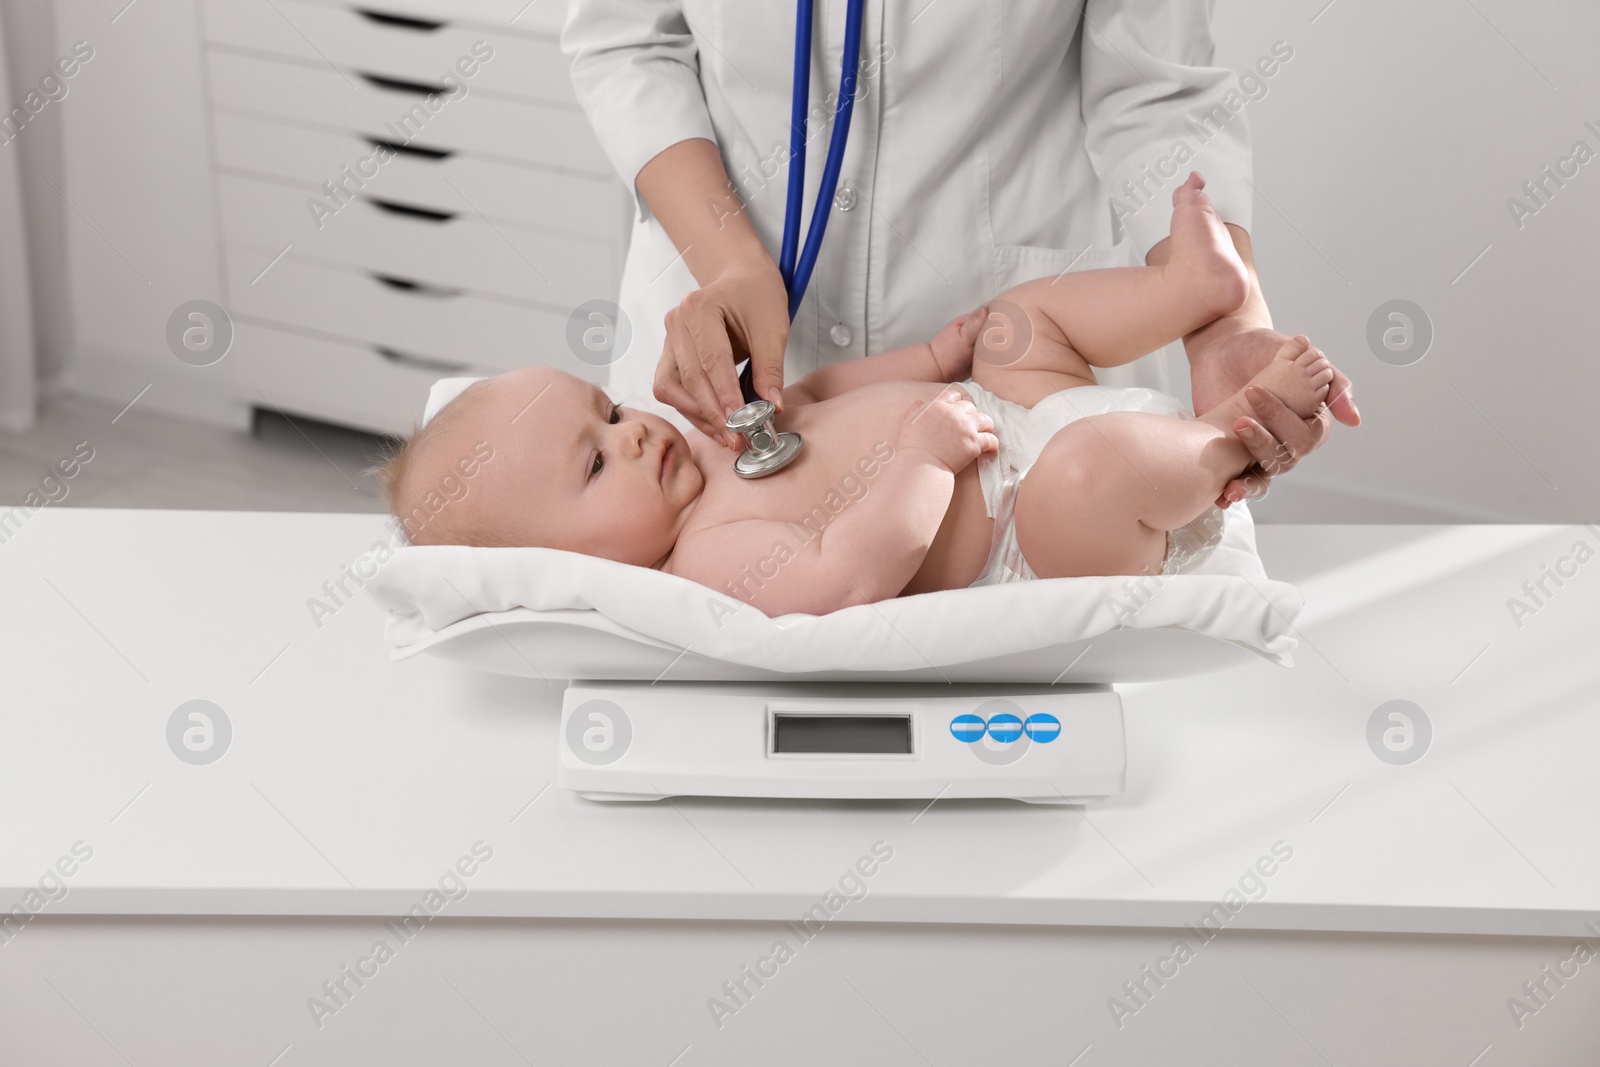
848	427
848	446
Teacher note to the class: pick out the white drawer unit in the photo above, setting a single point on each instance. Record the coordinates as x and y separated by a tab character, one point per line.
370	387
394	42
539	18
414	320
343	100
418	173
464	229
448	248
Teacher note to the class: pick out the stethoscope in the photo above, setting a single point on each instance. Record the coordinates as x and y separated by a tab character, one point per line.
769	451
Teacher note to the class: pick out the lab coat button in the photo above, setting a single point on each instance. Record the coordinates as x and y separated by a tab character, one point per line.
840	334
846	198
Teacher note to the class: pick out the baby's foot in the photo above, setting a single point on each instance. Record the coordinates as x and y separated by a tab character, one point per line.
1202	250
1297	374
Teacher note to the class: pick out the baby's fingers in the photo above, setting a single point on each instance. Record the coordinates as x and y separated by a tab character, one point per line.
971	323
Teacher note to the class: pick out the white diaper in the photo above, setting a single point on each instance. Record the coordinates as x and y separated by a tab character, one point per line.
1023	433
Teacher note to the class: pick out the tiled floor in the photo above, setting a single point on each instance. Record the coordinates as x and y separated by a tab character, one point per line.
151	461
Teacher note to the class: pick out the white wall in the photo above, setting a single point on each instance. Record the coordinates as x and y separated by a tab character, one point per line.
1385	152
140	232
34	156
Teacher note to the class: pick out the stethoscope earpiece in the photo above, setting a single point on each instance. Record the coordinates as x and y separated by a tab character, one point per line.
769	451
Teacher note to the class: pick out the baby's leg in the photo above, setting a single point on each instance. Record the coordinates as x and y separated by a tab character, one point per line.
1106	489
1112	316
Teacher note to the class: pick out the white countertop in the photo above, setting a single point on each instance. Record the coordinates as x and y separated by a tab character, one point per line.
351	783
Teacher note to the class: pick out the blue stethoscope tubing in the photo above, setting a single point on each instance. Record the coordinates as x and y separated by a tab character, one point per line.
796	269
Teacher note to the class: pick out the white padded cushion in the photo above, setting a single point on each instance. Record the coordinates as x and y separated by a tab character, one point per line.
442	392
427	589
1227	596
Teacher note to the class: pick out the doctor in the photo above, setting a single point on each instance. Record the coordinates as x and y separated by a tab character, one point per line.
990	144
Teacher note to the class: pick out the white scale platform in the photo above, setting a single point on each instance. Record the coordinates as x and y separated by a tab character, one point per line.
1043	744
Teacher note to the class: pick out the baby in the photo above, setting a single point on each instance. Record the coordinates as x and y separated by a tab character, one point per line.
903	485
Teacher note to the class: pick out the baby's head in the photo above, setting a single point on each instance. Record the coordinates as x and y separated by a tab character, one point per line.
537	457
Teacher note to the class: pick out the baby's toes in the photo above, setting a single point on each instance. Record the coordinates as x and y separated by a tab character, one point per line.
1316	365
1294	349
1308	356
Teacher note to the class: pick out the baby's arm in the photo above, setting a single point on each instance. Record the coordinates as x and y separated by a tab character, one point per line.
873	547
947	358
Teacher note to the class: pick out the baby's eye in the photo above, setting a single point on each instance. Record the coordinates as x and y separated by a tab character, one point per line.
599	457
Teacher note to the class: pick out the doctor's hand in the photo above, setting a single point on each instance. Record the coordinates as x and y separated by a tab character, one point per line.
1277	437
741	313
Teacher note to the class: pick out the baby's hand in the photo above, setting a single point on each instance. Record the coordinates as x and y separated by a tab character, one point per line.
953	345
949	428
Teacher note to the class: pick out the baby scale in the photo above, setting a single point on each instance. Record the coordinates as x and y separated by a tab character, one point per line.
1043	744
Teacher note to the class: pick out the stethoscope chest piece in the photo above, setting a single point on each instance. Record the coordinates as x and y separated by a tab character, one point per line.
769	451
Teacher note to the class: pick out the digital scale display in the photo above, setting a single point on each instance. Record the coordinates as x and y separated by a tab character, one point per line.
856	734
638	741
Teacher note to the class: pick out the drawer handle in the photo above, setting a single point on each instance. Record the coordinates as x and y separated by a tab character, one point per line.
410	211
403	22
411	285
411	149
441	366
401	85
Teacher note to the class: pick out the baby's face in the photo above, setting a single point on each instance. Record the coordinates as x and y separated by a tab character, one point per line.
571	470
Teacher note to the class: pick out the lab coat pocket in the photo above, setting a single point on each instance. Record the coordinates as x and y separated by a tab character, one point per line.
1015	264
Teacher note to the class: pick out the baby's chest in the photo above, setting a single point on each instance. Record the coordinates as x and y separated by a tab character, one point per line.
848	447
828	477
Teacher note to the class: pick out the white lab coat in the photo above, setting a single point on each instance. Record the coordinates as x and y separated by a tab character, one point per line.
990	144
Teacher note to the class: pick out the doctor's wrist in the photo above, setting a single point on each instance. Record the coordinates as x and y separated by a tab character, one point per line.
751	261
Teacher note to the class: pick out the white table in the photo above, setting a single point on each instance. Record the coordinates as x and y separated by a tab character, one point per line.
219	898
